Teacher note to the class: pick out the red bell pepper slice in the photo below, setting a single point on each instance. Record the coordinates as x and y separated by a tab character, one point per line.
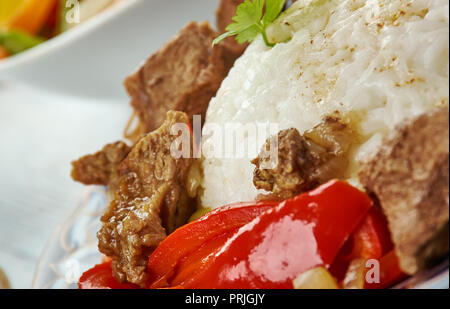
372	239
342	261
280	244
101	277
190	265
188	239
390	272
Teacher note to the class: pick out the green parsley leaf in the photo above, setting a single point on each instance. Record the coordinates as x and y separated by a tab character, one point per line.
273	9
222	37
248	14
251	20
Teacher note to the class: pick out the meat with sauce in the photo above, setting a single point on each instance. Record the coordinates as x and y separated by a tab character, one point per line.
304	161
183	75
410	177
101	168
151	201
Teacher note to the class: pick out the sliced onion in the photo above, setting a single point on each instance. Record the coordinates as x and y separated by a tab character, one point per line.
356	275
316	278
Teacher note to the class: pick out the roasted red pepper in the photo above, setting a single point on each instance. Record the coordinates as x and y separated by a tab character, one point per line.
372	239
101	277
199	238
252	245
390	272
190	265
276	247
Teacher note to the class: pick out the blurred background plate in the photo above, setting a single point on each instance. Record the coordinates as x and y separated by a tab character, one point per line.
92	59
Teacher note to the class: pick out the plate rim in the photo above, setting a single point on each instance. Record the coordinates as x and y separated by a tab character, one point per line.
59	41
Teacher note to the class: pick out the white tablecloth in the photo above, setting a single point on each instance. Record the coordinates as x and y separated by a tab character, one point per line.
40	134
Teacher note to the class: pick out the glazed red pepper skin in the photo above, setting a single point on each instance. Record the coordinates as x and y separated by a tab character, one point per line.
194	263
390	272
101	277
164	262
342	261
372	239
276	247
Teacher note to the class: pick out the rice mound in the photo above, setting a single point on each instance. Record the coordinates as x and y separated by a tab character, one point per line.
387	60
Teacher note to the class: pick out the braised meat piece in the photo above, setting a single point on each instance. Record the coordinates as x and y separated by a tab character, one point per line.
101	168
290	175
304	161
151	201
410	177
224	17
184	75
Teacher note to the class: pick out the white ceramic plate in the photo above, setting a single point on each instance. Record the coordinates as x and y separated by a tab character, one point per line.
93	58
72	248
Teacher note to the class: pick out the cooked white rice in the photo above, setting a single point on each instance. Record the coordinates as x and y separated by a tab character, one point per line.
389	59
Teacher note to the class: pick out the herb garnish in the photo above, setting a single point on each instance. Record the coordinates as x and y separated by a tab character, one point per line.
251	20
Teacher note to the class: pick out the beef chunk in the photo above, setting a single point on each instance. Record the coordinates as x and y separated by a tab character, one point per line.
101	168
410	177
305	161
224	15
150	202
184	75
